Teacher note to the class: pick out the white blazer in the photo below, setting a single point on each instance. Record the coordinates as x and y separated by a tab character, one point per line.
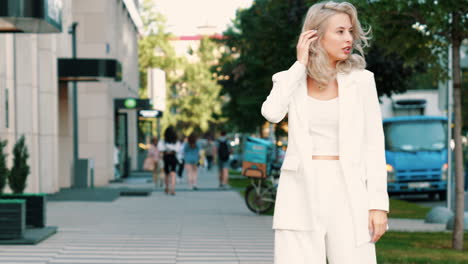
361	148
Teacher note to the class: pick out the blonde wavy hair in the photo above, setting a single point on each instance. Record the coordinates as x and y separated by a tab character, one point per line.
318	67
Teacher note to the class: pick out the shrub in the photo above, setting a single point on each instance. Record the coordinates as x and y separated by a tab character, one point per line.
3	166
20	170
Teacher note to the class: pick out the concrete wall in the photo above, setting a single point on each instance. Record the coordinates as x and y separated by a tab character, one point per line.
29	73
105	31
64	102
7	92
39	106
46	121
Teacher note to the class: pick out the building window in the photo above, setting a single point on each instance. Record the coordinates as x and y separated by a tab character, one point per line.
7	120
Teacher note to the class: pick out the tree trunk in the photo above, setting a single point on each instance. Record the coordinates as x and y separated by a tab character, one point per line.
457	239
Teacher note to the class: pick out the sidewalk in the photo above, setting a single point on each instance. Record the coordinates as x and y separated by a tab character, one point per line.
191	227
205	226
414	225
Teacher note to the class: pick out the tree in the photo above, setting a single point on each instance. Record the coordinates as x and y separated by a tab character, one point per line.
262	41
3	166
192	92
457	34
20	170
155	49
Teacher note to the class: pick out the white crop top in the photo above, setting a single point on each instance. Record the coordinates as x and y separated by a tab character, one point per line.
323	126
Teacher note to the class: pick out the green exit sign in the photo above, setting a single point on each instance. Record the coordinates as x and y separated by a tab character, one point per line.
130	103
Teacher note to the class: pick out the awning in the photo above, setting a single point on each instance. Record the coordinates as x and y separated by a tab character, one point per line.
30	16
149	113
89	69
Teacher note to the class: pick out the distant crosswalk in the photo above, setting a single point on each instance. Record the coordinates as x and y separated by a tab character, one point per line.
191	227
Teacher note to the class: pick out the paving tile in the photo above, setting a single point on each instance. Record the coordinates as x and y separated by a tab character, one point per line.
203	227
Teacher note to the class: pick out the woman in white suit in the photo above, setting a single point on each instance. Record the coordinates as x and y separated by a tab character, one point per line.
332	200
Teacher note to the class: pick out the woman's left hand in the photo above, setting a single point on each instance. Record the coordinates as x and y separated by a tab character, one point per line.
377	224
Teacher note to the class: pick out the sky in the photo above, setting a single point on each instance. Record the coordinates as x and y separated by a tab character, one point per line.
183	16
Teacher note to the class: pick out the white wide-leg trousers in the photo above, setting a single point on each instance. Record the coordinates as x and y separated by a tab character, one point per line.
333	238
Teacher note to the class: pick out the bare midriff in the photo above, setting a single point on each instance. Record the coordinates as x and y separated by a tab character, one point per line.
320	157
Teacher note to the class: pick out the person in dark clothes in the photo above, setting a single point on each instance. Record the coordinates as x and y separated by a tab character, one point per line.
170	147
223	150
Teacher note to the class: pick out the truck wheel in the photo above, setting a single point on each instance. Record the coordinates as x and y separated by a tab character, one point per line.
432	196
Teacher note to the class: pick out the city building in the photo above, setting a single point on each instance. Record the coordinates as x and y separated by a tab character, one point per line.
37	73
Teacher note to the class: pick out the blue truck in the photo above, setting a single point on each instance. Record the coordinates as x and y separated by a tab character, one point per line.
416	154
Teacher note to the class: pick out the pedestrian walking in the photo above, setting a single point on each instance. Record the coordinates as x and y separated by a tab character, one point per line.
169	147
181	159
192	157
202	158
209	152
154	155
223	151
332	200
116	163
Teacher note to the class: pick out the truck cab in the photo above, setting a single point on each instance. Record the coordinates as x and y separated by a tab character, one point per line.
415	143
416	154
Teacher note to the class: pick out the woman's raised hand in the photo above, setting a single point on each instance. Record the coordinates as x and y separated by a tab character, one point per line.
303	45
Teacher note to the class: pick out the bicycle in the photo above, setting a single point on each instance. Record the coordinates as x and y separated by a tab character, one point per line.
260	195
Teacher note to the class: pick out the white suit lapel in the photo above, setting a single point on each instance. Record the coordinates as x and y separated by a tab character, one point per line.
347	108
302	127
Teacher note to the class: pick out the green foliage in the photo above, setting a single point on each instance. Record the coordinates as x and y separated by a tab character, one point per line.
193	102
196	93
409	37
4	171
418	248
404	209
391	73
419	31
20	170
155	49
263	41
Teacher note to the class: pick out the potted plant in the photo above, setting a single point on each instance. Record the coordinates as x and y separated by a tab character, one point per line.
12	222
20	170
35	202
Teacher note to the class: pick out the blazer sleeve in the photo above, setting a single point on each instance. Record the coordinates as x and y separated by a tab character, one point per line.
275	107
376	170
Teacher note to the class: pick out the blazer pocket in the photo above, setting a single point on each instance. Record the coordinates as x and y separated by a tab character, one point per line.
290	164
